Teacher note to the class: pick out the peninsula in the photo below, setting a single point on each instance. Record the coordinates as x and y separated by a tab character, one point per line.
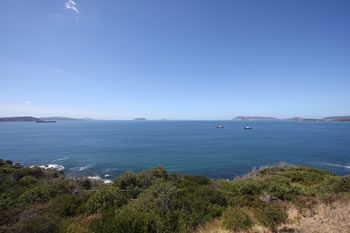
253	118
35	119
140	119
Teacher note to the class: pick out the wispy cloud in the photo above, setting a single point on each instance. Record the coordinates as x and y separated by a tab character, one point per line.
27	102
71	4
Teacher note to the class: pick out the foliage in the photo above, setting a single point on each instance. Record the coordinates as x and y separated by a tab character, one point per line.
237	219
272	215
106	197
39	200
343	184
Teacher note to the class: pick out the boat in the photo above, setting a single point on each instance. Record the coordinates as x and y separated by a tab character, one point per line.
220	126
248	127
42	121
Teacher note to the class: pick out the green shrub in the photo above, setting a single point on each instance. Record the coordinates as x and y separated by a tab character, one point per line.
126	181
68	205
27	181
281	188
26	171
272	215
298	174
237	219
343	184
44	223
37	194
42	193
201	180
107	197
85	184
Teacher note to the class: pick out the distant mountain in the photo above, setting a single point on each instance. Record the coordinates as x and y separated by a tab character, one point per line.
59	119
254	118
140	119
337	118
303	119
30	119
333	118
295	119
19	119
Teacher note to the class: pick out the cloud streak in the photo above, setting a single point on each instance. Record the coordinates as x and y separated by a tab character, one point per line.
71	4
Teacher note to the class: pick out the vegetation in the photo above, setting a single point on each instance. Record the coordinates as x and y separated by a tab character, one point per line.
39	200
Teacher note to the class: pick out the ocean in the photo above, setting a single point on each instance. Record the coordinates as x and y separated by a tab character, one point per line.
97	148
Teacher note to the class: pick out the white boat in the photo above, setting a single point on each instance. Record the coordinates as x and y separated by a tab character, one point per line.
220	126
248	127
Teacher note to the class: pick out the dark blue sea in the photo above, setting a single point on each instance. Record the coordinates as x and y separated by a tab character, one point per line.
188	147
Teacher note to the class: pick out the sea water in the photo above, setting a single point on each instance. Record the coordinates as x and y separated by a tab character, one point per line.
97	148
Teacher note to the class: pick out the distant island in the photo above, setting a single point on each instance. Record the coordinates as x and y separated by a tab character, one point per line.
19	119
253	118
327	119
36	119
60	119
140	119
332	119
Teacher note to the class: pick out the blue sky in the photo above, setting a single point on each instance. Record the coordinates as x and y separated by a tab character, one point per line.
175	59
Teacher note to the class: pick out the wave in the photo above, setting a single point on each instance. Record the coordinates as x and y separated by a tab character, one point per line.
60	159
112	169
337	165
51	166
106	181
80	169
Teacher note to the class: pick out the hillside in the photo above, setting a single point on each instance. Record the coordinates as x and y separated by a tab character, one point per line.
337	118
59	119
30	119
278	199
140	119
254	118
334	119
19	119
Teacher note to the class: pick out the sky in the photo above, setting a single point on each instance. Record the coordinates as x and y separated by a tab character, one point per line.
174	59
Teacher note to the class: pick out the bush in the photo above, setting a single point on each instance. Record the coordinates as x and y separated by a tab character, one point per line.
272	215
126	181
28	180
26	171
343	184
298	174
42	193
106	198
68	205
44	223
281	188
237	219
201	180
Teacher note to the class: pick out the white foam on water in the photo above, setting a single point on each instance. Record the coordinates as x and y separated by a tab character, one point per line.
61	159
80	169
106	181
111	169
337	165
51	166
94	178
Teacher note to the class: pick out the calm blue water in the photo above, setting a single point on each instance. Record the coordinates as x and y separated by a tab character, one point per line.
190	147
